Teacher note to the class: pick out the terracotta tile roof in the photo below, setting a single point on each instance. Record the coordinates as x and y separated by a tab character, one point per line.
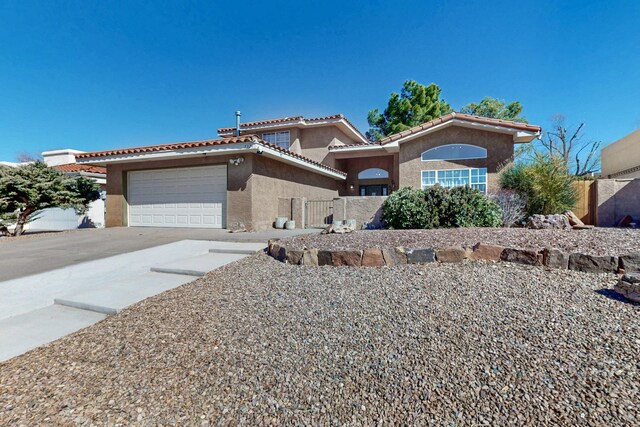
196	144
75	167
293	119
340	147
463	117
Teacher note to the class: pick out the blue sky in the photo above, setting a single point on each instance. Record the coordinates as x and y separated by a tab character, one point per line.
95	75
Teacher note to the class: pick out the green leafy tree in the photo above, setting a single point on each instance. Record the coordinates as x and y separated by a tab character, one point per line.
28	189
414	105
496	109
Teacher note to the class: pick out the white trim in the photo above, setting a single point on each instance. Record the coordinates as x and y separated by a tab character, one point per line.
422	186
214	150
62	151
299	123
518	134
452	158
275	135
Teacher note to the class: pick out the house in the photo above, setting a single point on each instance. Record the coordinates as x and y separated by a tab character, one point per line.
621	159
55	219
255	171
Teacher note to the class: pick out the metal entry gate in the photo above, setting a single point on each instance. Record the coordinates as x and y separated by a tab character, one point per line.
318	213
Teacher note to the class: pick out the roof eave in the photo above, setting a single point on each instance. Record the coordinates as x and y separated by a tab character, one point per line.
214	150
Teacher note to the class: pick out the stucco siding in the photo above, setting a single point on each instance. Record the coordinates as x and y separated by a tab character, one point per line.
272	180
500	149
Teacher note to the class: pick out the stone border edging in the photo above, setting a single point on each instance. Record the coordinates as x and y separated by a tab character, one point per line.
374	257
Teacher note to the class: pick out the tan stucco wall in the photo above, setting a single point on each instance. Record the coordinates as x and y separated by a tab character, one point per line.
356	165
615	199
255	188
622	155
272	180
365	210
312	142
238	197
500	149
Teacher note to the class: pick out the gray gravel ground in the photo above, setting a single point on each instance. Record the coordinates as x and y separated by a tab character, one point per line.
596	241
260	342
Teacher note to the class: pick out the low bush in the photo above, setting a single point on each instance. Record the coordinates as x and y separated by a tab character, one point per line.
513	206
439	207
545	182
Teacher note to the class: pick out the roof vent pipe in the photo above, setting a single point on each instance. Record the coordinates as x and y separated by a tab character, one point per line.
238	114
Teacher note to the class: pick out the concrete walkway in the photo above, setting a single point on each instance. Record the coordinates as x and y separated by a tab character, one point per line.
41	308
19	258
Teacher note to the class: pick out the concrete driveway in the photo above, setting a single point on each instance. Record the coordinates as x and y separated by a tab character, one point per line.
19	258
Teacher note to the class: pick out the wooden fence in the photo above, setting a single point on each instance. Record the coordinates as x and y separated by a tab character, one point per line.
585	207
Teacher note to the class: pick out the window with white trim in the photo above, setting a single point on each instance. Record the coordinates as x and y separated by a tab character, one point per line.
454	152
373	173
476	178
281	139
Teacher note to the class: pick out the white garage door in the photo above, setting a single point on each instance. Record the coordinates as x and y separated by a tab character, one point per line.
180	197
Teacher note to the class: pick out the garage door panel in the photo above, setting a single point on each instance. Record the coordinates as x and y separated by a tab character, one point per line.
184	197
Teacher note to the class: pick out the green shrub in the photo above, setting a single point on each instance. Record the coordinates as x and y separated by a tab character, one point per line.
438	207
545	182
406	208
469	207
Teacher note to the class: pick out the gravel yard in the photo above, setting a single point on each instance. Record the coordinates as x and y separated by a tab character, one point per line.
468	344
596	241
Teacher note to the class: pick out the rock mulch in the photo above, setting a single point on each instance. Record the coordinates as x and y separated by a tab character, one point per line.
596	241
260	342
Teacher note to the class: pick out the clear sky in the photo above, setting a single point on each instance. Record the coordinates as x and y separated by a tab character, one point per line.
94	75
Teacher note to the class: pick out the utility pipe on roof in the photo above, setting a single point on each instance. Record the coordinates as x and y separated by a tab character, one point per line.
238	114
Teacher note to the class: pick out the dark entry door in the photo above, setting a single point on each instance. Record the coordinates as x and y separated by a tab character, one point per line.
374	190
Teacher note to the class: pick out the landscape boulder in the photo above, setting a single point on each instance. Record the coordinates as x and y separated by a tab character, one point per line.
395	256
629	286
486	252
555	258
453	254
630	263
346	258
541	222
593	263
521	256
420	256
573	219
372	258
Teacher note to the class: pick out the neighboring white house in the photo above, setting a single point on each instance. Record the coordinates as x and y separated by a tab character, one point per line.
67	219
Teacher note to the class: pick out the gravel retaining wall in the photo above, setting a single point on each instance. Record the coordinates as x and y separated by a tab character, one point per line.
377	257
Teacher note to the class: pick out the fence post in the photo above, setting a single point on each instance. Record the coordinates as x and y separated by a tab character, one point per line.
298	206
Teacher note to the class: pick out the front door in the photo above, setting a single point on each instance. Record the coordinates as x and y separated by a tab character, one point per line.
374	190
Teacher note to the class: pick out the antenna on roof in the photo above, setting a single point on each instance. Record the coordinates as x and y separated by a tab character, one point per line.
238	114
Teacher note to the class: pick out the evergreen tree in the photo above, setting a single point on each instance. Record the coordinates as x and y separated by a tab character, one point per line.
416	104
28	189
496	109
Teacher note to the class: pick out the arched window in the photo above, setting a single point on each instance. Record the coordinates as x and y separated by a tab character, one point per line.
455	152
373	173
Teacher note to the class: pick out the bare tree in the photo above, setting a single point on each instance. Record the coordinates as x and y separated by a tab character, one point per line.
581	156
26	157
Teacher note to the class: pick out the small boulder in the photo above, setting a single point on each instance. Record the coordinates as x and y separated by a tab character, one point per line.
541	222
573	219
420	256
294	257
593	263
630	263
372	258
454	254
486	252
555	258
521	256
629	286
347	258
310	258
324	258
395	256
